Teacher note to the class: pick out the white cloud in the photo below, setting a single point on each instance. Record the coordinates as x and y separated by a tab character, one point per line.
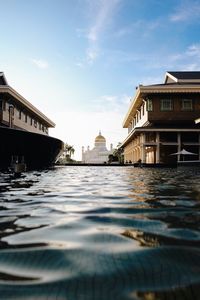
40	63
104	12
192	67
92	54
194	50
187	11
189	60
141	27
101	14
79	64
112	103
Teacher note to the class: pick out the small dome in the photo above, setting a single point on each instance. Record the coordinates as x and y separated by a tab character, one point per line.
100	138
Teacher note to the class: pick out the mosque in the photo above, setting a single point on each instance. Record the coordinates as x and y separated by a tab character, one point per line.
99	154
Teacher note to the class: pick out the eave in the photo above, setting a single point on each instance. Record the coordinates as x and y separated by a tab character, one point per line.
9	90
135	131
142	91
169	75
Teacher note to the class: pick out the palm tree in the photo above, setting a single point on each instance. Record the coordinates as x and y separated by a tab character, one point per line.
118	154
68	151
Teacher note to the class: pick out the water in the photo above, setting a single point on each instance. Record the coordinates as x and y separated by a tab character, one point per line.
106	233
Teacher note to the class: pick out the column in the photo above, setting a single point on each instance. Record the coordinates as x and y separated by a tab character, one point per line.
179	145
143	150
157	147
199	146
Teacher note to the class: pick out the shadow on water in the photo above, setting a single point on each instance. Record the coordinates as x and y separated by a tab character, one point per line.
116	233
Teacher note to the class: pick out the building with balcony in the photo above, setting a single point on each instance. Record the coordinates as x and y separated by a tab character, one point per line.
163	119
24	136
99	154
18	113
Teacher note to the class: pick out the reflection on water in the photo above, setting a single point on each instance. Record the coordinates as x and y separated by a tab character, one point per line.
105	233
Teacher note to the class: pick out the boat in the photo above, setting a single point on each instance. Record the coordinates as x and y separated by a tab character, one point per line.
24	133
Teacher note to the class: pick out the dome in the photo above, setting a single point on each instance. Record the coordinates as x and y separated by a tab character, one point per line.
100	138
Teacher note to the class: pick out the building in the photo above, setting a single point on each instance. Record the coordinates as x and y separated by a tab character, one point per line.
16	112
25	142
161	120
99	154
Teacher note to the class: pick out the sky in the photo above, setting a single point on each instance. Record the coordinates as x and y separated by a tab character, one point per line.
80	61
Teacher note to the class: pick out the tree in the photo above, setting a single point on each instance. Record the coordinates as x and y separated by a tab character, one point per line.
67	154
69	151
117	155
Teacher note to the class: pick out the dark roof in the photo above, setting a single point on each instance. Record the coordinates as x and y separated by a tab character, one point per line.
2	79
185	74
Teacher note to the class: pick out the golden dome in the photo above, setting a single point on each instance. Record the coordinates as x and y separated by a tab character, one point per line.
100	138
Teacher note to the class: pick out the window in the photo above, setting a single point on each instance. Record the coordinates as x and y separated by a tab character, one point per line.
31	121
25	117
2	105
149	105
143	109
20	114
166	105
186	104
35	123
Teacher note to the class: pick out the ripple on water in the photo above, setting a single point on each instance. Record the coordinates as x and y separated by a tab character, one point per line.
100	234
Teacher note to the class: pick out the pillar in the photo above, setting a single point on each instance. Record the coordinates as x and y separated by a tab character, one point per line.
143	148
179	145
157	147
199	146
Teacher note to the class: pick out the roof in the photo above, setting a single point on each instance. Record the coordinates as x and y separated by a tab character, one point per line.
5	88
171	85
182	76
3	80
100	138
137	130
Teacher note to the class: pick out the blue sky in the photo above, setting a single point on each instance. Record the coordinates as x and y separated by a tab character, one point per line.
79	61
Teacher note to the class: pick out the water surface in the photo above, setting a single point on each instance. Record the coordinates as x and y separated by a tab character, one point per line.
100	233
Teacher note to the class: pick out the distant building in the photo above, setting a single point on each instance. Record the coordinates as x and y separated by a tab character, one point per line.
163	119
99	154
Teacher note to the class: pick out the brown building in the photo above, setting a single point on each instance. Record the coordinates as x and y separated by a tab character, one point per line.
161	120
16	112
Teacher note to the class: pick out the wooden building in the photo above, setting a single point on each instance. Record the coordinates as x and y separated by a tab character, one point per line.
16	112
161	120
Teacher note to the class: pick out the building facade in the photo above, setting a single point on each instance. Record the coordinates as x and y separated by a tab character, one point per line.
161	120
16	112
99	154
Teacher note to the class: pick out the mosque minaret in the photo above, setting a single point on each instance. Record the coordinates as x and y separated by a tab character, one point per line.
99	154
